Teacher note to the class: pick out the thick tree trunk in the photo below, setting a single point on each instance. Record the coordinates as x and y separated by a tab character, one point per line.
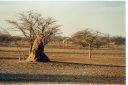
37	52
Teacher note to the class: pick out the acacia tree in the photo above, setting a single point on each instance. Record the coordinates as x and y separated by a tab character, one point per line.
86	38
38	31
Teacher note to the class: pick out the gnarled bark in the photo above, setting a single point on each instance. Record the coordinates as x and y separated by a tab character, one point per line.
37	52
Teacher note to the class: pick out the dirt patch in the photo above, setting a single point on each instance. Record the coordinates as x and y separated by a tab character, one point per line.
66	66
59	72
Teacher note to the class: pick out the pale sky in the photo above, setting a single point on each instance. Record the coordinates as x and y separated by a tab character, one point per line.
104	16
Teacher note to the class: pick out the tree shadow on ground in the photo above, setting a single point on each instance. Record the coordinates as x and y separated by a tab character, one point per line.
8	58
51	61
14	78
83	64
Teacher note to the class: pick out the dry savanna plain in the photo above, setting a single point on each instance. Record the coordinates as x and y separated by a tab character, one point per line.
67	65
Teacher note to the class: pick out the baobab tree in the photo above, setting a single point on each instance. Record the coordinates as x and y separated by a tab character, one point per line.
86	38
38	31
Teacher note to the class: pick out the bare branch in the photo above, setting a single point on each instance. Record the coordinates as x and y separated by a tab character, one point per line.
18	26
30	23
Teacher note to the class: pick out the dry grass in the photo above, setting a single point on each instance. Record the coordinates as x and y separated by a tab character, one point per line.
67	65
100	57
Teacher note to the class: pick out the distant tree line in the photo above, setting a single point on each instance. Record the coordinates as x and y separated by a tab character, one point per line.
78	38
6	39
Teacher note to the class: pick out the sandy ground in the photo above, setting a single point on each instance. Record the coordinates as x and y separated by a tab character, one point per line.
12	71
67	66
